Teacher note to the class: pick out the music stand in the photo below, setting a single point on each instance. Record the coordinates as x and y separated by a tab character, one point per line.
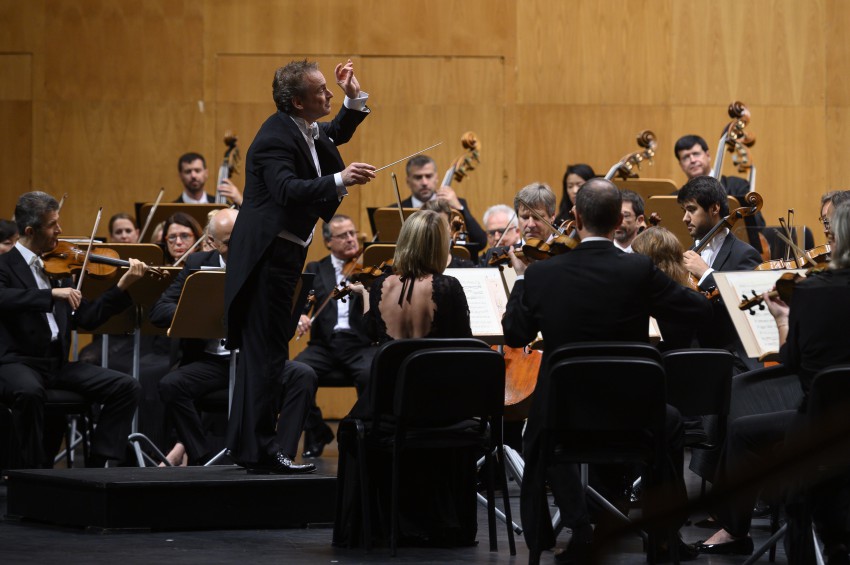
198	211
387	223
647	188
671	218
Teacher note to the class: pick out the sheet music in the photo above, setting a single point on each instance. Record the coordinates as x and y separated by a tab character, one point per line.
758	330
486	296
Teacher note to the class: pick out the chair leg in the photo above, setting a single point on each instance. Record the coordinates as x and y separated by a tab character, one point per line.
774	527
491	500
506	500
774	539
395	489
69	438
364	486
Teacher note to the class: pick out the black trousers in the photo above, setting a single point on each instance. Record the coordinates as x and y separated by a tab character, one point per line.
23	385
179	390
268	327
347	353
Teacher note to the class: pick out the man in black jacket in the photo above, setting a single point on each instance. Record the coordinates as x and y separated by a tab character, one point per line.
337	337
294	175
204	368
36	318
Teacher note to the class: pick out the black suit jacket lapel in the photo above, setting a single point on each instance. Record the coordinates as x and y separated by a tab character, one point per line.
723	253
328	274
291	127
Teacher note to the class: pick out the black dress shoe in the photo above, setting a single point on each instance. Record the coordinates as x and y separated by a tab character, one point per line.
740	546
315	442
280	464
580	549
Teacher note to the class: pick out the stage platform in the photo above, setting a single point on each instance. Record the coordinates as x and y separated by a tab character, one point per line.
173	498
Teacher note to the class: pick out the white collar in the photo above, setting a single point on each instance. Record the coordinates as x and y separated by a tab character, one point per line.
306	129
27	254
188	199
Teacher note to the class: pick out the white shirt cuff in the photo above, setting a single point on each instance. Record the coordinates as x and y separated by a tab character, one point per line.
358	103
340	187
705	275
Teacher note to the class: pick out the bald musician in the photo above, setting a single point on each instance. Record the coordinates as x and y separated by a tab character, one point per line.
37	315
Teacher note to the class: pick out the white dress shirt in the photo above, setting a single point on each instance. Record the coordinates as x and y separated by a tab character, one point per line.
37	267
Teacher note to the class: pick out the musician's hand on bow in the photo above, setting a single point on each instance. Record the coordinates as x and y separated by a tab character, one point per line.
303	326
358	173
448	194
70	295
695	264
136	271
346	80
230	191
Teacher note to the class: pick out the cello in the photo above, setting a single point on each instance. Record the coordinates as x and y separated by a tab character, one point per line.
228	166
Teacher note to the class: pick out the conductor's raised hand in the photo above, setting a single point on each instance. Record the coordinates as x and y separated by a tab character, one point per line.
358	173
345	78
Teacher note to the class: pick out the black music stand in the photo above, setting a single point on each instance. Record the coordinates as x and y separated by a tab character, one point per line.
386	222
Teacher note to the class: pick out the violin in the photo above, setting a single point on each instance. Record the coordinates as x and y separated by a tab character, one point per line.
784	290
819	255
66	259
365	276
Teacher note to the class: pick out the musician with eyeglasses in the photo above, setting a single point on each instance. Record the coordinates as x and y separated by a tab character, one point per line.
179	234
338	341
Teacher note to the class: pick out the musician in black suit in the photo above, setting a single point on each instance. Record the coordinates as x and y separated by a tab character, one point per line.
36	318
695	161
704	204
193	174
294	176
338	339
204	368
422	182
592	293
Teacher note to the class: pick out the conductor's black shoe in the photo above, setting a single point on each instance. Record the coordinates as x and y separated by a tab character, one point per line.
280	464
740	546
315	442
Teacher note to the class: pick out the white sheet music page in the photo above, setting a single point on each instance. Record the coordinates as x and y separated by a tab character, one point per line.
487	299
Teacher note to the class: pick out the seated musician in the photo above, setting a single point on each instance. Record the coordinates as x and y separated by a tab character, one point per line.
602	295
154	351
205	368
828	203
422	181
8	235
574	178
36	318
633	219
813	334
338	341
415	301
501	226
179	233
193	174
533	223
695	161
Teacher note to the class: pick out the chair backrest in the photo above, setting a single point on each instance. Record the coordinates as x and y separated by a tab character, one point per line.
388	360
614	394
771	389
444	385
604	349
826	411
699	381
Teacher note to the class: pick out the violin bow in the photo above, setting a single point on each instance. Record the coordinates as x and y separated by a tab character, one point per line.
150	214
188	251
511	221
62	202
397	197
89	248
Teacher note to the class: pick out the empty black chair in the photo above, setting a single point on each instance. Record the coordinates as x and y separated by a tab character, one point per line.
604	349
608	410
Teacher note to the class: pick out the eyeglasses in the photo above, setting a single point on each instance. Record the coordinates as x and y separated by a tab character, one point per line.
825	222
181	236
344	235
492	233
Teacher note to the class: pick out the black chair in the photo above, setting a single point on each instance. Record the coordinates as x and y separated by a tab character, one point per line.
825	445
699	383
438	388
73	406
608	410
380	420
604	349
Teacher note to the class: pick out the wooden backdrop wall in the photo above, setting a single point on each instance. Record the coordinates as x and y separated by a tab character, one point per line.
98	98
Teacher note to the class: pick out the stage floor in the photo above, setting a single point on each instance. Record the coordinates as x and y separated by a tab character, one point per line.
28	542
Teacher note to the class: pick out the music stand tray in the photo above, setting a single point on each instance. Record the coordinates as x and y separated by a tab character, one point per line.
388	224
198	211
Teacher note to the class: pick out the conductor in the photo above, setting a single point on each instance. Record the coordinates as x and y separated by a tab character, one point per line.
294	175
